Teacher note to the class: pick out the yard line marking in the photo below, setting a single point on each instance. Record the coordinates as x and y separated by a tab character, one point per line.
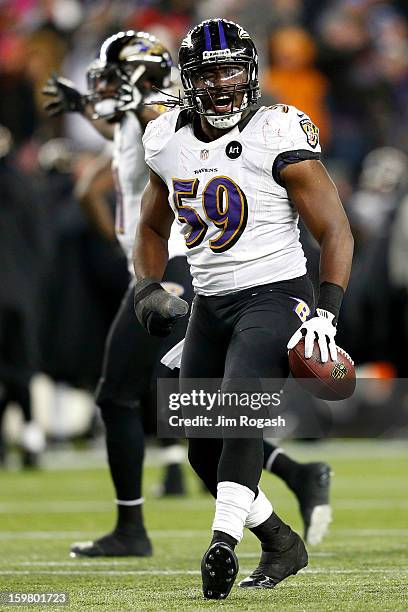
119	562
43	535
353	504
76	572
372	532
66	535
157	572
76	506
79	562
55	507
175	533
255	555
69	506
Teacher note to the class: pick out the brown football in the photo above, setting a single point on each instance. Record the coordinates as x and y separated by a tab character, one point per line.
333	380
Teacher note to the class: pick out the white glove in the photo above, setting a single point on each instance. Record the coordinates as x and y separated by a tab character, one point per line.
129	93
320	326
130	97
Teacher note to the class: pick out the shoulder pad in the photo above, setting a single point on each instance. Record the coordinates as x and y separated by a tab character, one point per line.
288	128
159	131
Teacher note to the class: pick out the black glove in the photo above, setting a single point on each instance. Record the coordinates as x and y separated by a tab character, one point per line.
64	97
157	309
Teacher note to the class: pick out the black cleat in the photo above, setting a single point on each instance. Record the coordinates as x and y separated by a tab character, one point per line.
312	488
114	545
219	568
289	557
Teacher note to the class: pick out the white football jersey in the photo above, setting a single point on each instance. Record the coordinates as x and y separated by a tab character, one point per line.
131	175
240	227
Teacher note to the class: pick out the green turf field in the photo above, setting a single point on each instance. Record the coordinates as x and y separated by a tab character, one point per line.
362	565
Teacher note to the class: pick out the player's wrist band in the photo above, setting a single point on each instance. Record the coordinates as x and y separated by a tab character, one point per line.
330	298
145	287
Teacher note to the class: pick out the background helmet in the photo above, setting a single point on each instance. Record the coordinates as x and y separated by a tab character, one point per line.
218	42
384	170
119	62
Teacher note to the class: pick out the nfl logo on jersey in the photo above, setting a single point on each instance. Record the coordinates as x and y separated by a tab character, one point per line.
204	154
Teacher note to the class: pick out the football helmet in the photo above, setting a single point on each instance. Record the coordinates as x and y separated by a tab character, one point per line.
384	170
129	64
218	65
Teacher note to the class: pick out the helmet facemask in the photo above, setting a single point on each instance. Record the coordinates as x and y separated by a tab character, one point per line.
219	91
111	86
104	83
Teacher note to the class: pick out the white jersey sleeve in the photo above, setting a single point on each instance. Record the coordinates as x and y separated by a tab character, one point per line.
156	136
130	175
292	136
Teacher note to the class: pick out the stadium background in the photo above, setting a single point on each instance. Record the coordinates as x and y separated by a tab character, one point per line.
345	63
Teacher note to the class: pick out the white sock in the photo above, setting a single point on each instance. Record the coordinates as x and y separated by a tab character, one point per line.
261	509
130	502
232	507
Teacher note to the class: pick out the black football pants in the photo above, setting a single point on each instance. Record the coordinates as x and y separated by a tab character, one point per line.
239	336
124	389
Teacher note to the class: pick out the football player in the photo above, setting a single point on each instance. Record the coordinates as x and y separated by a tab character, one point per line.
119	81
236	178
129	65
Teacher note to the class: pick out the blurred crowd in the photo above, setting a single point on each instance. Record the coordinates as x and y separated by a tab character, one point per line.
343	62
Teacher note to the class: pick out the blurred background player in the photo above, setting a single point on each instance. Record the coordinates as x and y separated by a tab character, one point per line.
378	282
128	67
23	246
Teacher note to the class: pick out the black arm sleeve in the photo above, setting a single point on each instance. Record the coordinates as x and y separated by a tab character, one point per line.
290	157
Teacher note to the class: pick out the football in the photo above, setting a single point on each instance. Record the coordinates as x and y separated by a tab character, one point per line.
333	380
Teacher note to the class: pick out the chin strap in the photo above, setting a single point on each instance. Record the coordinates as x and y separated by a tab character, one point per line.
224	122
229	120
